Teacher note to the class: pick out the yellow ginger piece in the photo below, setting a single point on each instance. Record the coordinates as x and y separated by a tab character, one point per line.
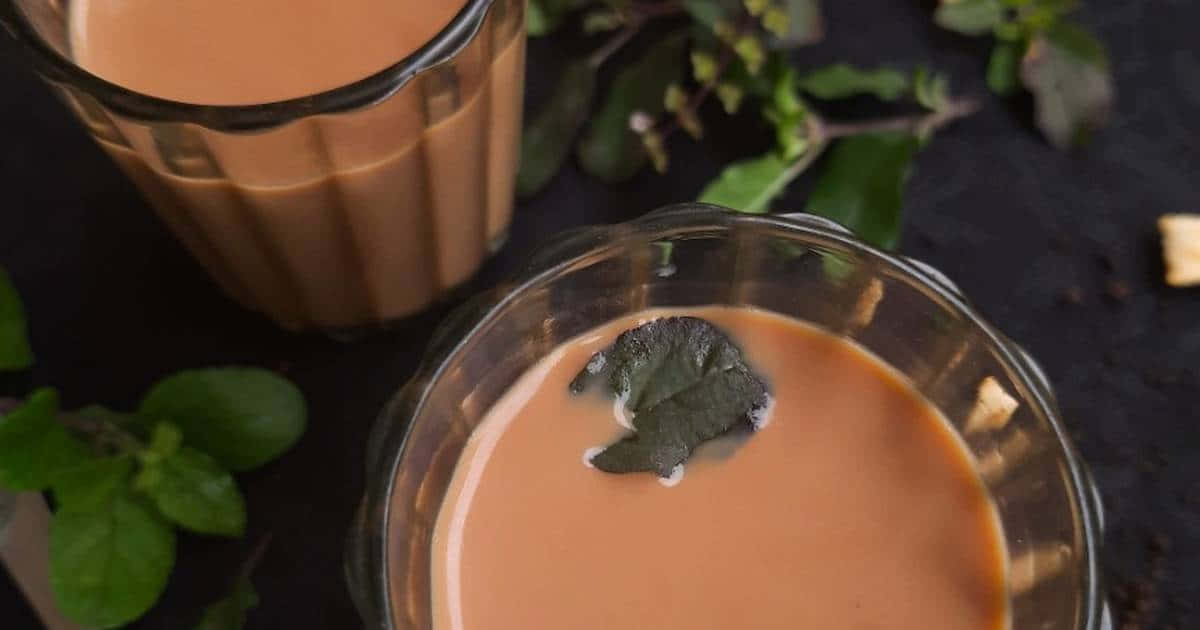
1181	248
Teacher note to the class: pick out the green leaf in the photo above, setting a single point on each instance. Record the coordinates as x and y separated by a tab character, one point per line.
1067	72
100	413
34	445
537	21
92	482
602	20
931	89
229	612
544	16
1004	67
713	12
1043	14
685	381
243	417
843	81
862	185
970	17
805	23
749	185
15	353
193	491
165	441
547	139
785	110
609	149
752	53
109	565
1079	43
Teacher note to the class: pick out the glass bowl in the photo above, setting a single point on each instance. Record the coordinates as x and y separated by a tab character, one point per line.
906	313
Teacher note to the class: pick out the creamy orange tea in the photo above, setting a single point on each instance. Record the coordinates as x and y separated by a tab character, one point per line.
332	220
758	473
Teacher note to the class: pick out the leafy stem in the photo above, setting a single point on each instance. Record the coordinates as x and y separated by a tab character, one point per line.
921	125
616	42
103	433
98	431
635	17
662	129
657	9
256	556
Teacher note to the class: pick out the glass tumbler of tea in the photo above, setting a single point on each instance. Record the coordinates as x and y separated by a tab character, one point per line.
332	165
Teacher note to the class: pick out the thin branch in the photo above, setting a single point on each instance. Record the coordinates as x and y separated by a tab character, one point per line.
665	127
610	47
920	124
657	9
102	432
256	556
818	142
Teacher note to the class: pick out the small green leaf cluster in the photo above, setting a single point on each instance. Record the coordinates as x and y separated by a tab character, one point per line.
122	483
654	95
1036	46
736	52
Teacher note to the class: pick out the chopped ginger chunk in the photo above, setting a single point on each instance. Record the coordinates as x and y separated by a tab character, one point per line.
993	407
1181	248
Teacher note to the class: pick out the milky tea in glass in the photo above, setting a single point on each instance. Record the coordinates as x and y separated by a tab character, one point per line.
331	164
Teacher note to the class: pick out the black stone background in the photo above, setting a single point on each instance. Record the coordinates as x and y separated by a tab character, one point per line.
1025	230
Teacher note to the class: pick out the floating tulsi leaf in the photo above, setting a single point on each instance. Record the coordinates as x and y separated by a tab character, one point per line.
686	383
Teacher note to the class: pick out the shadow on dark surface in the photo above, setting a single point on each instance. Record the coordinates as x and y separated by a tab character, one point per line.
1039	240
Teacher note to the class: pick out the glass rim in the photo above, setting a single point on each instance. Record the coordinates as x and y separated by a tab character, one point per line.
371	90
588	242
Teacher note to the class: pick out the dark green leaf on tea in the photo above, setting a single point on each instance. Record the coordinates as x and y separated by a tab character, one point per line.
34	445
609	149
970	17
1067	71
92	482
229	612
843	81
1004	66
749	185
547	139
862	184
110	564
15	353
685	381
243	417
193	491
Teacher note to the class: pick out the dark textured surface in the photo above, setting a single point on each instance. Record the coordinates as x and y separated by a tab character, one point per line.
1023	229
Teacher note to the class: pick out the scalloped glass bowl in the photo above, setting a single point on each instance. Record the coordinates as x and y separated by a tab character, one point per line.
903	311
